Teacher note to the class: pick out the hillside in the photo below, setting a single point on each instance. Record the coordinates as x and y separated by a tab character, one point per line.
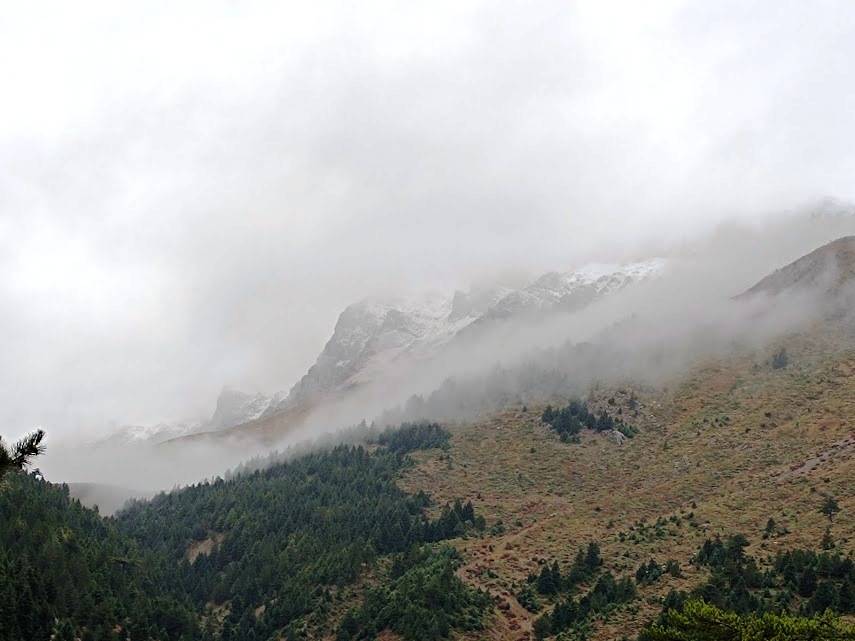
572	517
64	571
310	549
734	444
829	269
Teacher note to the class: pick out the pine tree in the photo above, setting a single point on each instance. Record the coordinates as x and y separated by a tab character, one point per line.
807	582
63	631
469	512
698	620
593	560
546	581
672	567
548	414
829	507
555	571
770	528
541	627
825	597
780	359
21	453
846	597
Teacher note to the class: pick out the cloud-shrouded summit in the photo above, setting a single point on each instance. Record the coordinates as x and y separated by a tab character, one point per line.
191	194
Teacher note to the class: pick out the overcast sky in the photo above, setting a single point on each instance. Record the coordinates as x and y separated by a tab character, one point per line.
190	192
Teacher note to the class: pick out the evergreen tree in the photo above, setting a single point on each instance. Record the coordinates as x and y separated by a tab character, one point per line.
824	598
63	631
20	455
699	621
541	627
770	528
593	560
780	359
672	567
829	507
846	596
807	582
546	583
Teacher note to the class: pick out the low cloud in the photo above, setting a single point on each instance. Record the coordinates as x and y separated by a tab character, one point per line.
191	194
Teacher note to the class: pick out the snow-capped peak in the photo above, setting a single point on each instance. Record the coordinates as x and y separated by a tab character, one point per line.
574	289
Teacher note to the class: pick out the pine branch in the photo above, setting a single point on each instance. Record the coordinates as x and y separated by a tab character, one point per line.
27	448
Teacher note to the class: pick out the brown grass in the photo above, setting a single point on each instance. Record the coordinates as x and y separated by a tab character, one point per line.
734	444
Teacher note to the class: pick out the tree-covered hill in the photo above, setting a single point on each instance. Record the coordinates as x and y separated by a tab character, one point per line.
728	515
289	534
259	555
65	569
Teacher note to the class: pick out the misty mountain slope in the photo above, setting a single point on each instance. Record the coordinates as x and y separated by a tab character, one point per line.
673	330
742	442
372	339
655	346
735	443
573	290
146	434
828	269
304	547
370	334
235	407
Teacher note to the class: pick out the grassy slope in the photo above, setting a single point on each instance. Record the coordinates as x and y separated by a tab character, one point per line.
789	436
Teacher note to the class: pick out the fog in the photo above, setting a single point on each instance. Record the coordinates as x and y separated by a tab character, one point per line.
647	336
191	194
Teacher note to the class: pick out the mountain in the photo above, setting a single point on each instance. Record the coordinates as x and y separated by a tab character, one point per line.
371	334
235	407
827	270
603	515
136	434
374	335
571	291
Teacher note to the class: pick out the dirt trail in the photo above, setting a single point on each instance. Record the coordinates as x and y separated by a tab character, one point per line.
493	553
